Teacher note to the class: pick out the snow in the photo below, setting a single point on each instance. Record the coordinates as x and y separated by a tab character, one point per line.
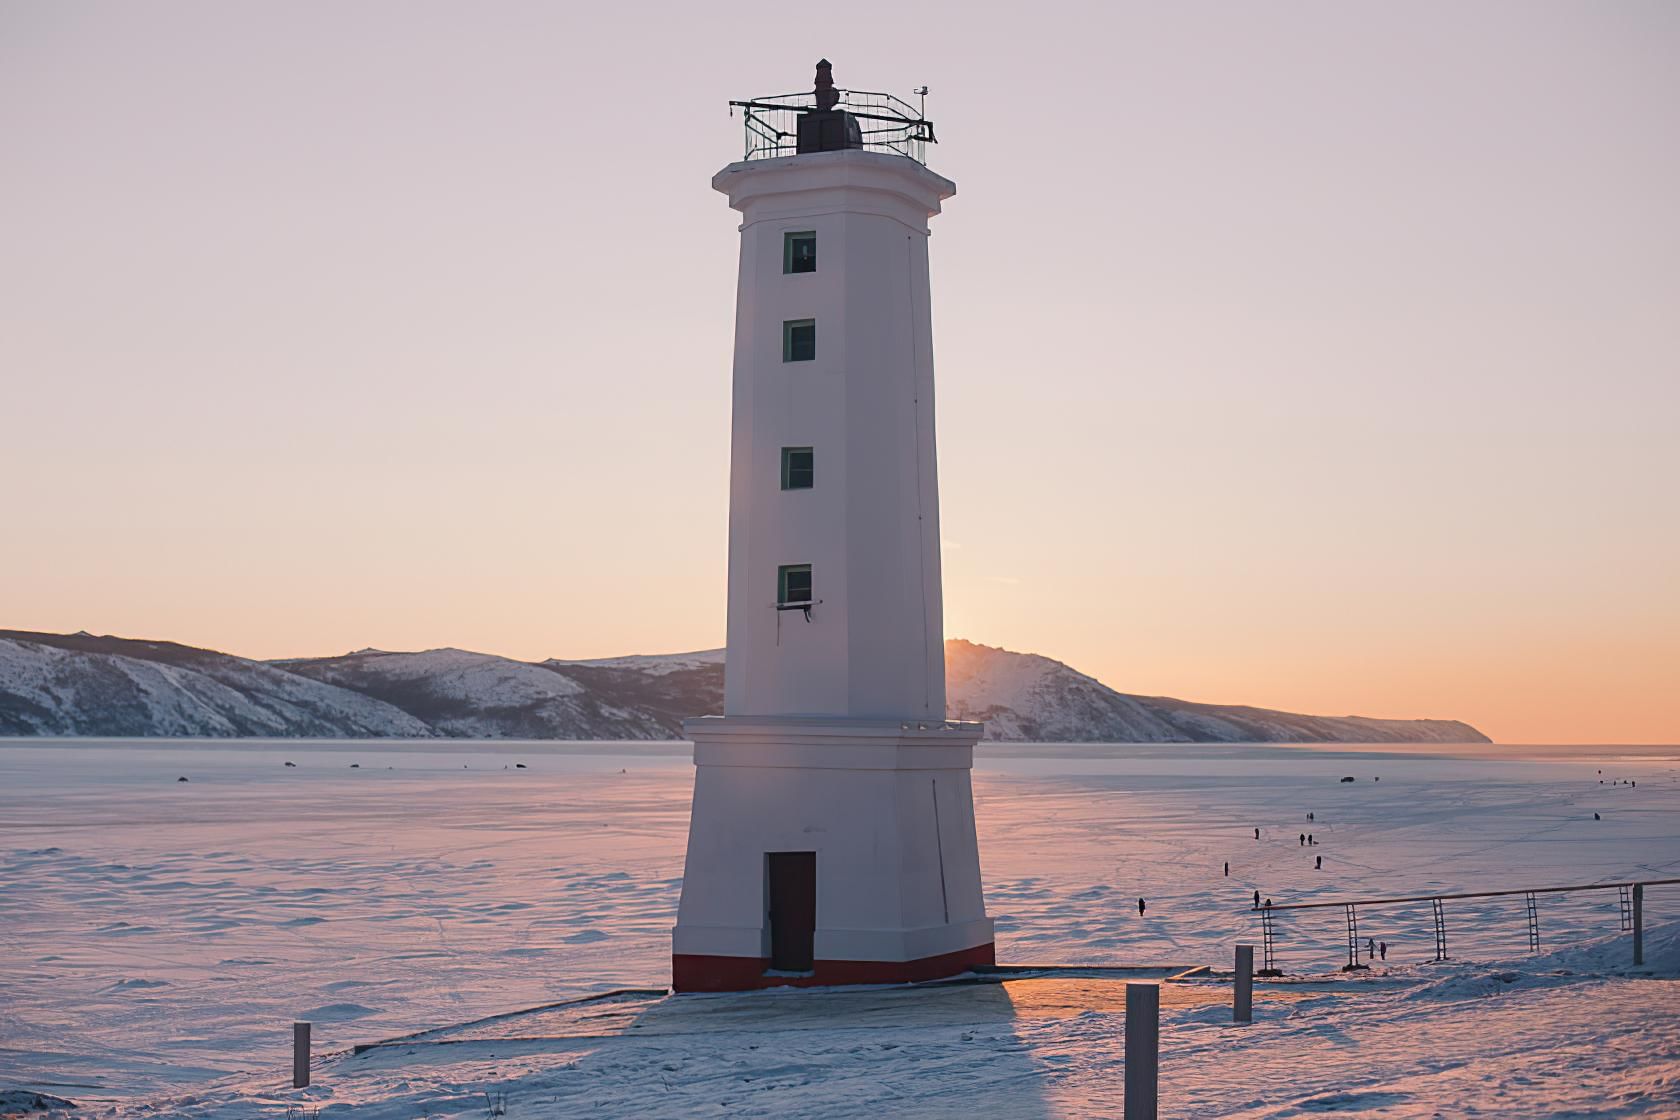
160	938
652	664
49	689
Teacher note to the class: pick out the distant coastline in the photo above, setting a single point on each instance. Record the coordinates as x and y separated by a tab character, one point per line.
84	685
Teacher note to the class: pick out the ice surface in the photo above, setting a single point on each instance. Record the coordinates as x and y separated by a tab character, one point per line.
159	938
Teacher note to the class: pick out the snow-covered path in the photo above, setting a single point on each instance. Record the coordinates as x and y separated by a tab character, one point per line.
158	936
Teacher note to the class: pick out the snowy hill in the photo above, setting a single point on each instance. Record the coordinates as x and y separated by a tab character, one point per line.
1023	697
480	696
78	684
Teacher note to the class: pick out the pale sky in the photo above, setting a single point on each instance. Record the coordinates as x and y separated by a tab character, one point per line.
1317	356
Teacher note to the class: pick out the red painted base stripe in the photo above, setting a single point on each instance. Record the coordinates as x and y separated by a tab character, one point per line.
693	973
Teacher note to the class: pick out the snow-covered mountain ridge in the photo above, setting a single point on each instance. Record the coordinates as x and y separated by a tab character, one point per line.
80	684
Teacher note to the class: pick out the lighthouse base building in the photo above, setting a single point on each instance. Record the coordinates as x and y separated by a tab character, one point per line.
832	839
829	852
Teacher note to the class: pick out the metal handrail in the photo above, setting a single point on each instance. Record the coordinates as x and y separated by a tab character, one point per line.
770	122
1471	894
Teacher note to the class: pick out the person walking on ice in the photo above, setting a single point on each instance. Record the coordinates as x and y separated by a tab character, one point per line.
1227	869
1370	948
1140	907
1382	949
1318	863
1257	900
1303	839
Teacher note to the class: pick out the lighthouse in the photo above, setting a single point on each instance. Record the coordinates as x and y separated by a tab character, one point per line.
832	838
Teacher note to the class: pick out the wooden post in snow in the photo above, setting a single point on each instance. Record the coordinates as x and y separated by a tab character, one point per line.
1242	995
1639	923
1143	1049
300	1055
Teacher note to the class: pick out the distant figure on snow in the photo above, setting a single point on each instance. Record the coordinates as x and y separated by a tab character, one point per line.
1303	839
1370	948
1310	817
1596	817
1268	904
1310	840
1382	949
1140	907
1257	900
1318	863
1257	834
1227	869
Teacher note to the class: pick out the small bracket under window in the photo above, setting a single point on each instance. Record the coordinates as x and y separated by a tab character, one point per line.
803	606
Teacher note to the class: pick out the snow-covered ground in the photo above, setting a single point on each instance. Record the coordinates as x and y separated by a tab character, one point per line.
159	937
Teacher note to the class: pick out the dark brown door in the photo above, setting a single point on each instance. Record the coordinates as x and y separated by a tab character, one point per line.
793	910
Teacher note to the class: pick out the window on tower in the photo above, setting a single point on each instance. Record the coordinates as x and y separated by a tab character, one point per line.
793	584
798	468
799	340
799	252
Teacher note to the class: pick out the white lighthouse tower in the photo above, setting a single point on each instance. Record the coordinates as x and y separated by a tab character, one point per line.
832	839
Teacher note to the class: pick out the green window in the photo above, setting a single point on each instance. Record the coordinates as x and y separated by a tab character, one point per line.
793	583
798	468
799	252
799	340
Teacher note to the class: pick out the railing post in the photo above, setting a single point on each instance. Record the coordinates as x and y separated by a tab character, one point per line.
1143	1049
300	1055
1639	923
1242	995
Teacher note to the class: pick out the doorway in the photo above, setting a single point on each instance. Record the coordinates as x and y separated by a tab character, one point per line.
793	910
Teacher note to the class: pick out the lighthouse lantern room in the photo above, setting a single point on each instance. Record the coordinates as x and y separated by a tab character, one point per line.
832	839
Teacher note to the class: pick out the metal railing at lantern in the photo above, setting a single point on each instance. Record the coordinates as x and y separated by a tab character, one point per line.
888	123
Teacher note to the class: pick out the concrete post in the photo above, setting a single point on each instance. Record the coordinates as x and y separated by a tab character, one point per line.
1143	1049
300	1055
1639	923
1242	996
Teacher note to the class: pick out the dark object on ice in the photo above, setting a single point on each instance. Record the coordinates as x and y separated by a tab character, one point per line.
181	779
1303	839
1268	904
1370	947
1257	900
1382	949
1310	817
14	1102
292	764
1140	907
1257	834
519	766
1310	841
355	766
1227	869
1376	779
1318	863
1596	817
1348	779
